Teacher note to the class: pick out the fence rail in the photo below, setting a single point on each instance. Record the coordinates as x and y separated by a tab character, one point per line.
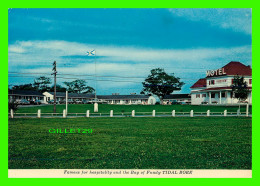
173	113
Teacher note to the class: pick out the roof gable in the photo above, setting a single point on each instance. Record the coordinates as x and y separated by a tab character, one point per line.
200	83
237	68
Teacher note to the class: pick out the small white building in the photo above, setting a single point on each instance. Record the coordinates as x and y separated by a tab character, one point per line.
216	87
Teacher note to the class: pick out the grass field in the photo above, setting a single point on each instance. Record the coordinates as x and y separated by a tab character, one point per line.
131	143
104	108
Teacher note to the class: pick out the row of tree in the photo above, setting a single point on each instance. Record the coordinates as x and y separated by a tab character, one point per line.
42	84
158	83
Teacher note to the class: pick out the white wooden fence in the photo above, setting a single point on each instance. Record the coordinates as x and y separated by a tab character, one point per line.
133	113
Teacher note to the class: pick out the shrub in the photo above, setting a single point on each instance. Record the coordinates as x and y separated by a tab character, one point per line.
12	105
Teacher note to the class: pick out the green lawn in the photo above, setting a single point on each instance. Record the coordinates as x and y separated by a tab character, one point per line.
104	108
131	143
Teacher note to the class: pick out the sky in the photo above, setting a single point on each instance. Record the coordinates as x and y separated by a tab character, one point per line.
129	43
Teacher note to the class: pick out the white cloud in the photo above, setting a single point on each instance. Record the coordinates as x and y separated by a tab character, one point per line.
232	18
16	49
47	51
119	61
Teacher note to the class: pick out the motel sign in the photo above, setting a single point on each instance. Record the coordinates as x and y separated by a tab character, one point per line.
217	72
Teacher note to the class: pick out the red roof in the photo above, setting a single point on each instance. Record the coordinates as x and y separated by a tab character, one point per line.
237	68
232	68
200	83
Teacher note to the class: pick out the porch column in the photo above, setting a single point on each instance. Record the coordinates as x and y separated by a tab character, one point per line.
226	96
209	97
220	97
231	97
249	97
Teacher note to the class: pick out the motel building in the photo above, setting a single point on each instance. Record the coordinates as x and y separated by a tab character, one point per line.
131	99
28	95
215	88
115	98
61	97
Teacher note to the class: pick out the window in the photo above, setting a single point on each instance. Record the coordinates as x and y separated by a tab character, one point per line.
223	94
211	82
212	95
197	95
250	81
203	95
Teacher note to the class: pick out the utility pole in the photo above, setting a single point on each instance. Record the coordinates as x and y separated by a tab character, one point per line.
54	73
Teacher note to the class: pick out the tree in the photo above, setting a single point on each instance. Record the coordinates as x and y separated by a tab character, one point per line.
12	105
78	86
160	83
239	89
59	88
42	83
24	87
89	90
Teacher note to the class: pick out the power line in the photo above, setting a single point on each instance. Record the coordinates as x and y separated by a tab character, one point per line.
105	80
79	75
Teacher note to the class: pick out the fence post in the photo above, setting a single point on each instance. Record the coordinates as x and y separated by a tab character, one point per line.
64	113
247	110
133	113
95	107
191	113
173	113
238	112
12	113
39	113
225	112
153	113
111	113
208	112
87	114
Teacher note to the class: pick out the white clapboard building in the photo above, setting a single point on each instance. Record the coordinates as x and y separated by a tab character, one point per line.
215	88
109	99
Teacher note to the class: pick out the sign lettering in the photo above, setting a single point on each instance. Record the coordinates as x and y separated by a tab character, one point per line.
217	72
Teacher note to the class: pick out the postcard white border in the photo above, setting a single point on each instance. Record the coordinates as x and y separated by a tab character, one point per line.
127	173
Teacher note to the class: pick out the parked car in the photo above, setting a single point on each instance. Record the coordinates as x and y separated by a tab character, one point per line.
85	102
37	102
23	102
62	102
52	102
99	101
71	101
78	102
174	102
